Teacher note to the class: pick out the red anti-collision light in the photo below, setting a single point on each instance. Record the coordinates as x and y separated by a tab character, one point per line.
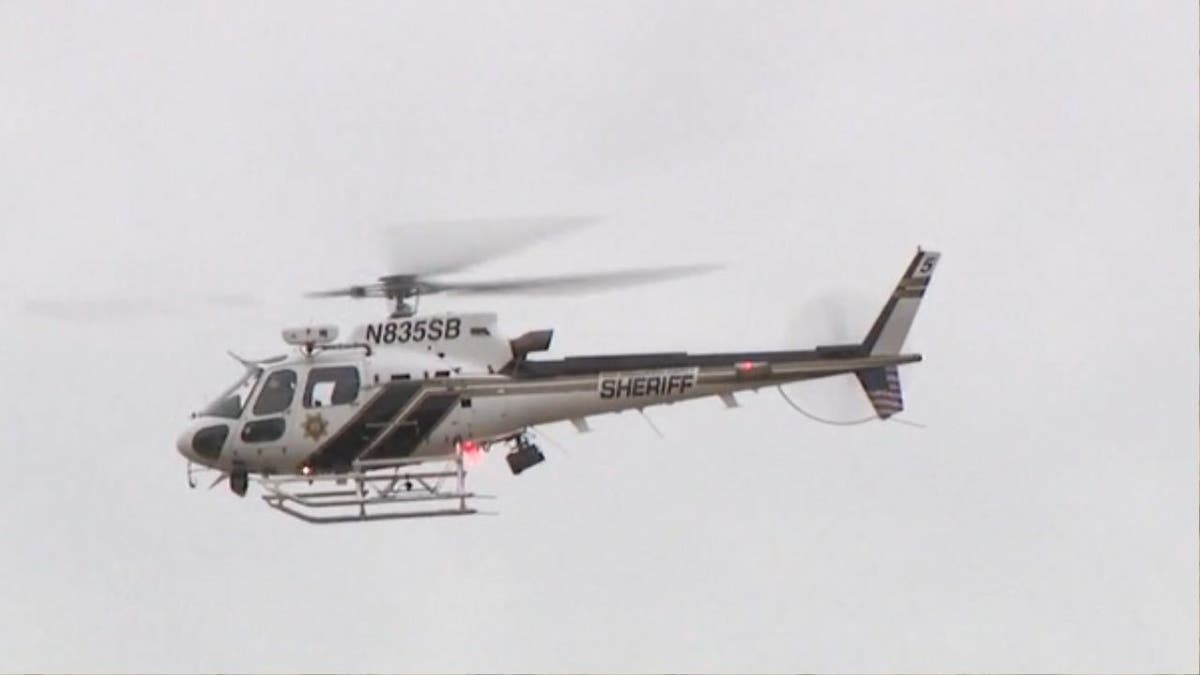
470	453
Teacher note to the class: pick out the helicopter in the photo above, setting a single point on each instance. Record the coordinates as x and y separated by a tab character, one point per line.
385	423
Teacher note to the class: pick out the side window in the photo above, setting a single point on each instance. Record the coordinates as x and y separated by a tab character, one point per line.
331	386
277	393
262	431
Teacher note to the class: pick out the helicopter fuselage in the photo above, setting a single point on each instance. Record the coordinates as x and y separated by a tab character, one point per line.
418	387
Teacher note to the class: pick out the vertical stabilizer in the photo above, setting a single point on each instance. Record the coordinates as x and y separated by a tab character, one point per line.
891	328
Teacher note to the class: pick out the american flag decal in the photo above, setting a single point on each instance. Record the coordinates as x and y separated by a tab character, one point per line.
883	388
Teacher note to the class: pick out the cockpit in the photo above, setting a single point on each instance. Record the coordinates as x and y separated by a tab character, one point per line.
270	409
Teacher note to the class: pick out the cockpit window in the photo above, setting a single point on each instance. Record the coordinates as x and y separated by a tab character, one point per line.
231	403
277	393
331	386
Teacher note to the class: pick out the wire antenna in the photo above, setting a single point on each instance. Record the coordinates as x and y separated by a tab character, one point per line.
650	422
840	423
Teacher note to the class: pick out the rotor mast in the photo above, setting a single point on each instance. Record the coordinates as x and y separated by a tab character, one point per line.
399	289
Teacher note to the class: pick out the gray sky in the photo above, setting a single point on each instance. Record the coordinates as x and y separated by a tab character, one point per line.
1046	520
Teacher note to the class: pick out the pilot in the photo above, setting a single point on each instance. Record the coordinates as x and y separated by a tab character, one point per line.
277	393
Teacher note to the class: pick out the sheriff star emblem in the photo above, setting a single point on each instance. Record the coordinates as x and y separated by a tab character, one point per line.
315	426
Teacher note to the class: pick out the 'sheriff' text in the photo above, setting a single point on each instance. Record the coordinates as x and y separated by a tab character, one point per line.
645	384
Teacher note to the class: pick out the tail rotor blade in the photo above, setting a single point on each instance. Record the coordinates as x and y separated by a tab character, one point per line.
828	318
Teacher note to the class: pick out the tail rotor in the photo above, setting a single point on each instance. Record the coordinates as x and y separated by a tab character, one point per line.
835	316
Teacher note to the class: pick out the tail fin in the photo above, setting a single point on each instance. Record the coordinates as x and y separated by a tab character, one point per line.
887	335
883	388
891	328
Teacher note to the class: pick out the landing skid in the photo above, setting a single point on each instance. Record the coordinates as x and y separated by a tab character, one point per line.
382	490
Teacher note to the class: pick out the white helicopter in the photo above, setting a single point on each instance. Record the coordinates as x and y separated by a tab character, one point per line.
385	423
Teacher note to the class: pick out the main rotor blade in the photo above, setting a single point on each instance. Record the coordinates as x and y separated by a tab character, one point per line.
442	247
118	308
569	283
369	290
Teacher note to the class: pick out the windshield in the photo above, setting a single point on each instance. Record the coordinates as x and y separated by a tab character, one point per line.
233	401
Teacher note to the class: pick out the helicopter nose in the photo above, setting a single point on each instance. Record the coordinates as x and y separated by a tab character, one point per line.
203	444
184	444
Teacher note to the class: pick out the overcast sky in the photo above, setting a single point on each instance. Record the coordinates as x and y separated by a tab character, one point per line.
1044	521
